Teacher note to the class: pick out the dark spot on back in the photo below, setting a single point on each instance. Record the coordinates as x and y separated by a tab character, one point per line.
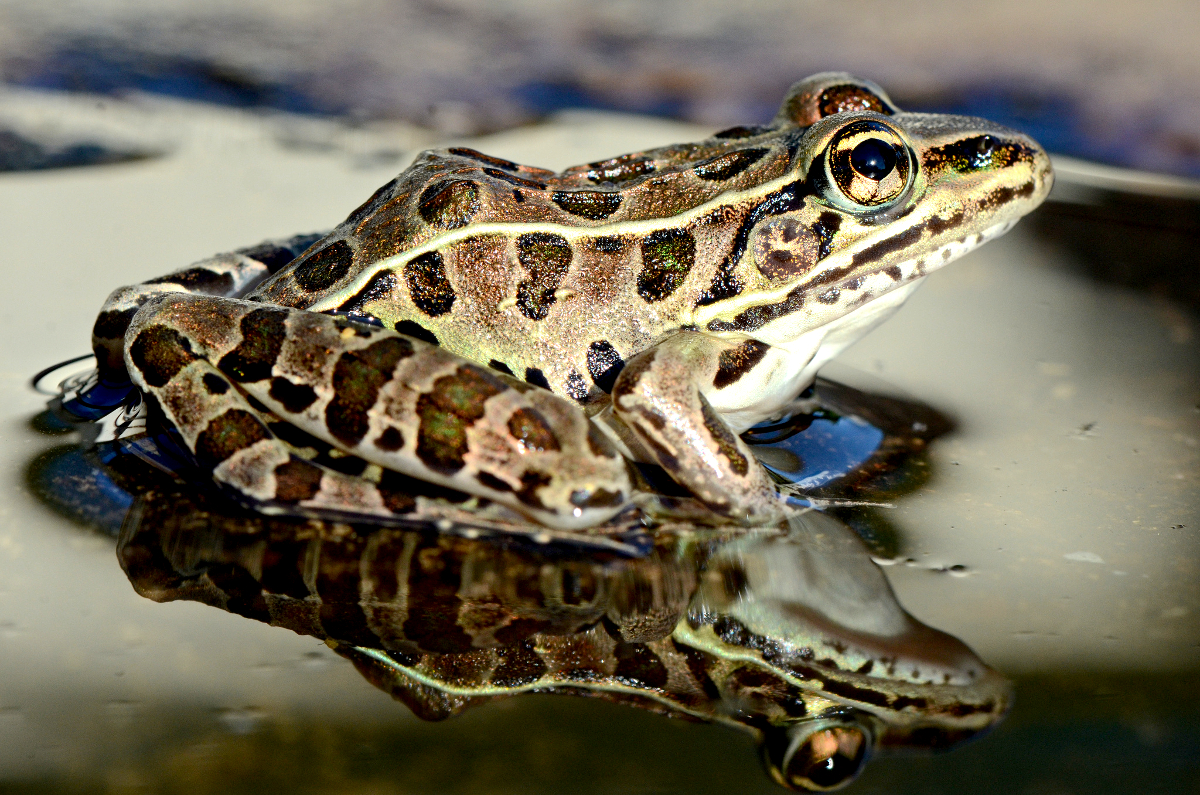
381	287
357	378
294	398
733	363
496	364
411	328
742	131
592	204
604	364
449	204
535	376
473	154
325	268
232	431
428	286
546	257
360	212
576	387
198	280
667	258
620	169
451	406
263	333
520	182
160	353
726	166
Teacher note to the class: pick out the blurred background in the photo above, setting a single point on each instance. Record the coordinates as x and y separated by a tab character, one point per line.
139	135
1108	81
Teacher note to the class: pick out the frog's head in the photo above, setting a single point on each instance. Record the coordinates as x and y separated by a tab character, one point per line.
879	199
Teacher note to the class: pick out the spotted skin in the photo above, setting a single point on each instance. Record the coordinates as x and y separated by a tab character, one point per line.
669	299
390	400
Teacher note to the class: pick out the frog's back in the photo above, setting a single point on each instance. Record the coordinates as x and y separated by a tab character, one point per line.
556	278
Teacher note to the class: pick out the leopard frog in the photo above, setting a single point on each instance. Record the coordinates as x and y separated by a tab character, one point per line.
518	335
795	637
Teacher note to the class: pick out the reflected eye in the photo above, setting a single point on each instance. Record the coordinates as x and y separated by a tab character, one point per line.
818	757
868	164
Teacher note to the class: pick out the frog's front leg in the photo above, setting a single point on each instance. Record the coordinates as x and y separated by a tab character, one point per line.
660	397
402	404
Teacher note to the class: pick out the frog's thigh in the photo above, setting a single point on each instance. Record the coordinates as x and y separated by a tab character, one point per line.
659	398
222	430
405	405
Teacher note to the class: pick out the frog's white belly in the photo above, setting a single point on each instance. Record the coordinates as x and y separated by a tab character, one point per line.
791	366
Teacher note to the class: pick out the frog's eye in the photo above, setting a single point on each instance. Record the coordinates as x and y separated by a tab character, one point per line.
819	755
869	166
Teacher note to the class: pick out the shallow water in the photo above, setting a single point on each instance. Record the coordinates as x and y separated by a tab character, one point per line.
1056	534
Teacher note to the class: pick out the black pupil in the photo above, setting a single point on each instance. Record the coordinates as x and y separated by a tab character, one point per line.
873	158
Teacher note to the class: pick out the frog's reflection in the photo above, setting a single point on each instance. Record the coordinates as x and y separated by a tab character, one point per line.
793	635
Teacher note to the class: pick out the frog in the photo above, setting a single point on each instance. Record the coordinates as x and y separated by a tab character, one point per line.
794	638
529	338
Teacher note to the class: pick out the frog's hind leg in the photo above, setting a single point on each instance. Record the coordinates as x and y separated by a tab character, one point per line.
659	398
229	275
407	406
228	436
